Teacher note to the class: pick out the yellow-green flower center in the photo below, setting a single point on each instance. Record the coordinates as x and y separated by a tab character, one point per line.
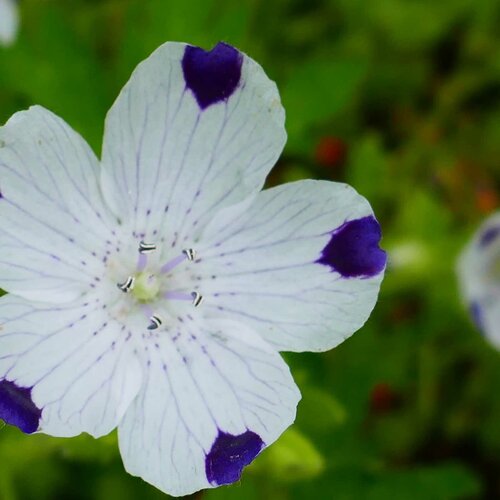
146	287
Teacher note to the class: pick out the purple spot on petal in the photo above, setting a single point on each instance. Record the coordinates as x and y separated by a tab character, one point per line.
229	455
353	250
489	236
17	407
477	315
212	75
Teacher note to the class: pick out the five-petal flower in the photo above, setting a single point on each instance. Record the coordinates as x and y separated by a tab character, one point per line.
154	291
479	277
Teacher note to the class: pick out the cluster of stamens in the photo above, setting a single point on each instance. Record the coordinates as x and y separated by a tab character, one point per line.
155	321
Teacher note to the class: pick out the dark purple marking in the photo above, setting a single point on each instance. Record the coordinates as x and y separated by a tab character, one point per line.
229	455
477	315
489	236
353	250
212	76
17	407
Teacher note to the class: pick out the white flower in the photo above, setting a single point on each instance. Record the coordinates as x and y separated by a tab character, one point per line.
479	277
153	291
9	21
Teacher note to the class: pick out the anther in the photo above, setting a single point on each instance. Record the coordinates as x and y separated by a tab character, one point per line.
145	248
155	322
197	299
127	285
189	253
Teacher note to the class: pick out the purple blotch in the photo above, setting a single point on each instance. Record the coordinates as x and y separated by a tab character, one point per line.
212	75
477	315
229	455
353	250
17	407
489	236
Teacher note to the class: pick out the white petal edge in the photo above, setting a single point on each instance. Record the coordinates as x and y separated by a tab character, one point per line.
207	377
79	363
56	230
258	265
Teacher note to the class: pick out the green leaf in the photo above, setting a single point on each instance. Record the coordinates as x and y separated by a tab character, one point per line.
318	90
447	481
292	458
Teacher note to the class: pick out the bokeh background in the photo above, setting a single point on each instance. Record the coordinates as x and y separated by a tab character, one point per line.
401	99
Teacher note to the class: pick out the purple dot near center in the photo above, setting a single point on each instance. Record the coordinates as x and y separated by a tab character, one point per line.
353	250
17	407
229	455
212	76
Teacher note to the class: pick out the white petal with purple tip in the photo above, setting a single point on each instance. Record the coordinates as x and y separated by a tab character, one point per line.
209	386
191	132
55	227
301	265
77	363
479	277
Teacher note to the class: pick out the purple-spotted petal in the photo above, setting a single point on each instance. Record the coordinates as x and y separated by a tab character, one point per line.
477	314
214	396
229	454
301	265
17	407
55	228
353	250
212	76
64	369
489	235
192	132
479	278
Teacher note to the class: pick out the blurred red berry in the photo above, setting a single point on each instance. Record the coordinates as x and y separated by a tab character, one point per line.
330	151
383	398
486	200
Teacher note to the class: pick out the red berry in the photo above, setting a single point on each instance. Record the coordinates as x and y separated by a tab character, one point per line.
330	151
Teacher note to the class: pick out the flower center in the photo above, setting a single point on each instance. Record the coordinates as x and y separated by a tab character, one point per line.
146	287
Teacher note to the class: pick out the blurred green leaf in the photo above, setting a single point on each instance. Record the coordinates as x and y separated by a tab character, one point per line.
447	481
292	458
320	411
319	89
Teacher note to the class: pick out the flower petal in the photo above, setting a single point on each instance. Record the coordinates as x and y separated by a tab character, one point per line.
54	224
191	132
64	369
214	396
9	21
479	277
301	265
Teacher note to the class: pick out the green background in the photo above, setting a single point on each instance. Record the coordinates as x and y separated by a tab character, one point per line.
399	99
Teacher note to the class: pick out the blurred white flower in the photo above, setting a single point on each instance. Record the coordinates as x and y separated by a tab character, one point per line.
9	21
479	276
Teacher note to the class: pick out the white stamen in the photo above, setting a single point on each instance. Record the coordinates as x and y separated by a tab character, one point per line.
197	299
189	253
155	322
127	285
145	248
